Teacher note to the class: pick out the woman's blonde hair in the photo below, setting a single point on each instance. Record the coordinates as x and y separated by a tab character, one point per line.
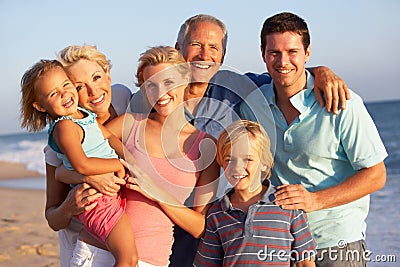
73	53
158	55
258	139
31	118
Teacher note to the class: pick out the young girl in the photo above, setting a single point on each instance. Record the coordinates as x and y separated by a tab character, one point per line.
49	96
245	227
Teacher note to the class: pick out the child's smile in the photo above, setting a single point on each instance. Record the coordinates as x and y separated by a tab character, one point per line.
241	167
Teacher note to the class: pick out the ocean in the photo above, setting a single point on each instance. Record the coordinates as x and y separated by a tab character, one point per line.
383	219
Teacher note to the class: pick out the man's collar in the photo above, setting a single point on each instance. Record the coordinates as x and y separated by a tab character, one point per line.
301	101
304	99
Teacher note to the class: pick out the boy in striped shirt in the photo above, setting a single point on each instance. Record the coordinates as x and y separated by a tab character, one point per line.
245	228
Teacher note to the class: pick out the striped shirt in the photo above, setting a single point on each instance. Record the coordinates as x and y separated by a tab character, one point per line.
266	235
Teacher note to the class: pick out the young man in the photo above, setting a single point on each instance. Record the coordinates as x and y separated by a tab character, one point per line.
326	164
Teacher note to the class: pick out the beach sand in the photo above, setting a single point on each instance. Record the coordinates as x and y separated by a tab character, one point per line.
27	240
10	170
25	237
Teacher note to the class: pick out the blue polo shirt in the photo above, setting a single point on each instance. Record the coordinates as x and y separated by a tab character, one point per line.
220	105
320	150
267	235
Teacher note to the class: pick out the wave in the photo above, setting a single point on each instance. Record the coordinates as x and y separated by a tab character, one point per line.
28	152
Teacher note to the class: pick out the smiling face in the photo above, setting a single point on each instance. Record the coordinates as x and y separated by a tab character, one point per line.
93	85
285	58
241	164
204	51
165	87
55	94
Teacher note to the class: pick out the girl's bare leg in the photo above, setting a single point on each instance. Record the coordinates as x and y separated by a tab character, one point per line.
121	243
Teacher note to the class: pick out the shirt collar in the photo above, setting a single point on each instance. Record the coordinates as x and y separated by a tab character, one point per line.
211	85
304	99
268	197
301	101
269	93
207	94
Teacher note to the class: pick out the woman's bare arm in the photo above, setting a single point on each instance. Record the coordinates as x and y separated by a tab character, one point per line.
62	202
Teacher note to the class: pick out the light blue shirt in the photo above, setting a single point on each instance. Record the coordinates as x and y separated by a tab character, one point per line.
320	150
93	144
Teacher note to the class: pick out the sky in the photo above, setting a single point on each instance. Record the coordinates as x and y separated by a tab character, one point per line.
357	39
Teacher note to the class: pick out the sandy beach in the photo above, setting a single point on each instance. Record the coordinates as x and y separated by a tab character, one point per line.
27	240
25	237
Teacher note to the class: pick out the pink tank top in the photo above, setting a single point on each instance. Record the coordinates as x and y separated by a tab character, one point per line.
153	230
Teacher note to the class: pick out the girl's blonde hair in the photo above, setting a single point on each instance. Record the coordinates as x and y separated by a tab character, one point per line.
73	53
31	118
258	139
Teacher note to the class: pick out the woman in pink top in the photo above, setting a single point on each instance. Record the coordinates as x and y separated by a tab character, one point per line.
175	155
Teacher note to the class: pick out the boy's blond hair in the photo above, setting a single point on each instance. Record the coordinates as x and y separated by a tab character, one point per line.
258	139
31	118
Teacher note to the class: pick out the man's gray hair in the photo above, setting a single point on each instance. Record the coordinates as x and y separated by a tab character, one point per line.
198	19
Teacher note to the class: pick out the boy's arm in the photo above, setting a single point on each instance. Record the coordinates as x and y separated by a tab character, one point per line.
68	135
210	251
303	242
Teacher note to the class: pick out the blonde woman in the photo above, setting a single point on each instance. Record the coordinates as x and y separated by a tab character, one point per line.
49	98
89	71
176	156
